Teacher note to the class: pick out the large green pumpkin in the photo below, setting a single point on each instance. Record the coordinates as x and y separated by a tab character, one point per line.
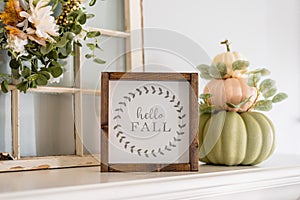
230	138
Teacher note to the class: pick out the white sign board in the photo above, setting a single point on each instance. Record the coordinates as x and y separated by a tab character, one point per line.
148	121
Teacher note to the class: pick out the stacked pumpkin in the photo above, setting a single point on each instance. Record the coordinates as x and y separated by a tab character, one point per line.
230	131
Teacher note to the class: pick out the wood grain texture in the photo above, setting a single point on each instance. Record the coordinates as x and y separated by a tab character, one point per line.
194	123
134	43
104	120
148	167
48	162
78	127
15	123
149	76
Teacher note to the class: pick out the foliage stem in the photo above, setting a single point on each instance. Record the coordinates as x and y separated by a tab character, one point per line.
256	99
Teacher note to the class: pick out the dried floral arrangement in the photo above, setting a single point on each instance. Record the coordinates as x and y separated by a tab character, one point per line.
37	35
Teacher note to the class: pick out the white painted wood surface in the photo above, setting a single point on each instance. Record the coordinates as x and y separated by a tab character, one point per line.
278	178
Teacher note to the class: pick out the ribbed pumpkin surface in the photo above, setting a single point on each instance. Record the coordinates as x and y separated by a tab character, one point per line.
230	138
228	58
231	90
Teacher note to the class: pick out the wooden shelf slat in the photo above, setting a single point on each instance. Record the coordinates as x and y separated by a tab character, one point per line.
49	162
59	90
111	33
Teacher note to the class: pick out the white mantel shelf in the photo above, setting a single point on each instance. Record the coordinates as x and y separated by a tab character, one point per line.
277	178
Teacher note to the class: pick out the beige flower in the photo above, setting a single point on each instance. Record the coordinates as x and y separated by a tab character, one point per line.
17	44
40	16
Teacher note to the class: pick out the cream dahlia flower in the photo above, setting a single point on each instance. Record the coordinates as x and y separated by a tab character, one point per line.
17	44
40	16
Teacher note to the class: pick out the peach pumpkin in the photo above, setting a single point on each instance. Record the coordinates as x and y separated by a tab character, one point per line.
230	90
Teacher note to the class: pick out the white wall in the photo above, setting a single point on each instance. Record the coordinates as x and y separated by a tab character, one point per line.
267	32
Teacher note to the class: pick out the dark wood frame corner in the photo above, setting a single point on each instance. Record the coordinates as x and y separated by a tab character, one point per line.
192	78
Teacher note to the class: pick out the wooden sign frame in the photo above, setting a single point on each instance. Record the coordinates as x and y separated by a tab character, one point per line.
192	79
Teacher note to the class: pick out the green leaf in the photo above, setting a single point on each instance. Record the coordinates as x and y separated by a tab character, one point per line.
55	64
56	71
89	16
92	2
41	80
93	34
266	85
69	36
23	86
33	84
253	79
214	72
14	64
99	61
76	29
88	56
32	77
62	42
66	50
279	97
91	46
240	65
205	76
222	68
45	73
4	86
263	71
263	105
203	68
205	96
81	18
203	108
34	65
15	73
231	105
204	71
46	49
53	55
34	52
26	72
269	93
218	71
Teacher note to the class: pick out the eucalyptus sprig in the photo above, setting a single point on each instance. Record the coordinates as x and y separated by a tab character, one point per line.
266	94
266	89
204	104
219	70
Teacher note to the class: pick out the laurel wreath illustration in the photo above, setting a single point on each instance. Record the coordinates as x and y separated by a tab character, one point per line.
149	89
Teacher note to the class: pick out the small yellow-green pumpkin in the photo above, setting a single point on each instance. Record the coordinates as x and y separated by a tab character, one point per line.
230	138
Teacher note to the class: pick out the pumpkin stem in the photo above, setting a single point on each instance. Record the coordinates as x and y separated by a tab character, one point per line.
226	42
